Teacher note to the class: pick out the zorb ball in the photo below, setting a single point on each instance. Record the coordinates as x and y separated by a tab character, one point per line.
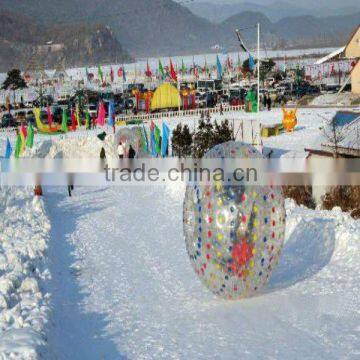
234	233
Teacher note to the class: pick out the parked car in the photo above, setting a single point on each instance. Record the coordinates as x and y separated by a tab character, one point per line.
7	120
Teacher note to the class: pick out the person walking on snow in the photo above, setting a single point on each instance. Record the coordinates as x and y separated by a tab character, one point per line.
265	101
132	152
269	103
121	150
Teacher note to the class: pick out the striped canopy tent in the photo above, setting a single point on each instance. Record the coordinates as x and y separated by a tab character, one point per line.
166	96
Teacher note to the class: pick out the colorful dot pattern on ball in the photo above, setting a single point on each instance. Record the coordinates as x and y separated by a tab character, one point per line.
242	231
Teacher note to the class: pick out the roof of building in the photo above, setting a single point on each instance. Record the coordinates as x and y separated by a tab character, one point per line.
347	131
331	56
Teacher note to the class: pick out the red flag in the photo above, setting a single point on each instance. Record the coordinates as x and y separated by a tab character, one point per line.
112	75
120	72
148	72
73	121
172	72
49	116
152	125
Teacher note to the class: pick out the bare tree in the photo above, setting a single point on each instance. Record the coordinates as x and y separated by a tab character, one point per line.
335	134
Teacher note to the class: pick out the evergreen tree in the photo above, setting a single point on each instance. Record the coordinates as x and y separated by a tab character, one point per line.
181	141
14	81
266	66
223	132
203	138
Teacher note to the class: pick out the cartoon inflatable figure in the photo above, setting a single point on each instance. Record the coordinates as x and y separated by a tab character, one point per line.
289	119
44	128
250	102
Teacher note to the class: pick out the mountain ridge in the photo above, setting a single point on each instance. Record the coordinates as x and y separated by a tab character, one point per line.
165	28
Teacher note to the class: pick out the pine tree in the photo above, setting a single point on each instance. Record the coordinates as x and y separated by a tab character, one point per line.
203	138
14	81
223	132
181	141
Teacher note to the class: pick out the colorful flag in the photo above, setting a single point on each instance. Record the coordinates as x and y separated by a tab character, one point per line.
165	140
173	74
157	136
101	114
195	70
152	139
183	67
49	116
8	150
18	146
73	121
145	138
148	72
111	74
205	69
229	64
23	131
251	63
161	71
30	137
111	114
123	75
64	121
100	73
219	67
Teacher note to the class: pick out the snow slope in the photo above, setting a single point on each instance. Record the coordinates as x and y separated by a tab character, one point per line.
24	236
123	286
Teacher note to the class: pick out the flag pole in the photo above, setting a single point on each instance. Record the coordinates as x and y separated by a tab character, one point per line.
258	67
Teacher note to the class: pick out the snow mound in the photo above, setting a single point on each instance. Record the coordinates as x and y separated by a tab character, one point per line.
24	308
343	99
81	147
87	147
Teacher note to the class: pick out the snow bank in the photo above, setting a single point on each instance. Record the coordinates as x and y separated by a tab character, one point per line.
24	308
86	147
343	99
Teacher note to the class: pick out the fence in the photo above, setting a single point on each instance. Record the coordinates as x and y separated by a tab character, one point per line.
179	113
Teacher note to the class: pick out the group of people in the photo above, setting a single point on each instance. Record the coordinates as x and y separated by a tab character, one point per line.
267	102
121	150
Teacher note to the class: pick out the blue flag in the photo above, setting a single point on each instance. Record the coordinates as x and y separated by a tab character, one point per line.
165	140
153	143
124	75
8	150
111	112
251	63
219	67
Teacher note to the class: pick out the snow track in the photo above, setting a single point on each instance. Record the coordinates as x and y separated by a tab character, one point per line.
123	286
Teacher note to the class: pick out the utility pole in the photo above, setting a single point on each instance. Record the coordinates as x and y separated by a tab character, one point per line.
258	67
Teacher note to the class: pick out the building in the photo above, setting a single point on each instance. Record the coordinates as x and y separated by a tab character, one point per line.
352	51
341	137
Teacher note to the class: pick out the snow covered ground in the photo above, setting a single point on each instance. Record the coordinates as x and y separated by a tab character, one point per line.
123	286
306	134
24	308
343	99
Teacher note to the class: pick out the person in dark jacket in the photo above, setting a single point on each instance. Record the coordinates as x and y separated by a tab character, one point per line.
132	152
269	103
70	189
265	101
